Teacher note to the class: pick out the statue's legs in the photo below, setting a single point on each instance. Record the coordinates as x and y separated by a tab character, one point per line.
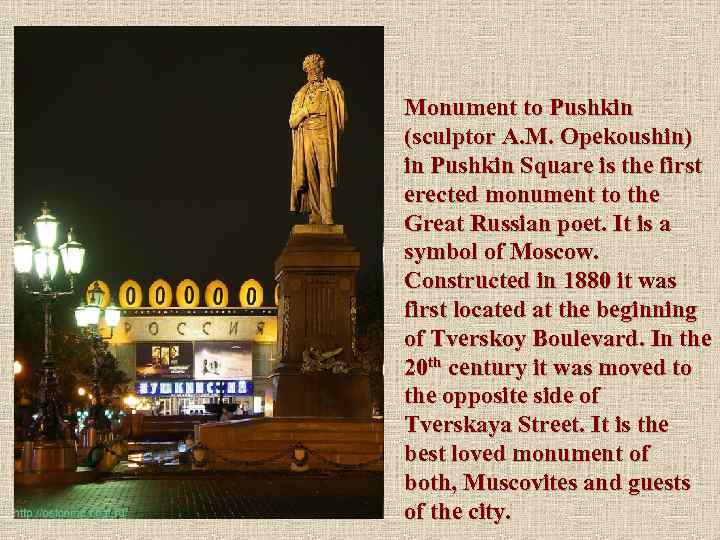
317	160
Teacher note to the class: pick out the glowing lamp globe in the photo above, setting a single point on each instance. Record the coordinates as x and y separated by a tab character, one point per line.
23	251
46	263
112	315
92	315
80	318
73	254
96	296
46	226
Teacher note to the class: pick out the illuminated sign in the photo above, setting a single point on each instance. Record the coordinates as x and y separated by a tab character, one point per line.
160	294
130	295
216	294
160	327
185	388
251	294
187	294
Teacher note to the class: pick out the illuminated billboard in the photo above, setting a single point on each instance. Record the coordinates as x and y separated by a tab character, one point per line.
164	360
223	360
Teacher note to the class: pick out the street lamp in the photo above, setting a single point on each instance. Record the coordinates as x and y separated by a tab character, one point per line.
50	450
87	317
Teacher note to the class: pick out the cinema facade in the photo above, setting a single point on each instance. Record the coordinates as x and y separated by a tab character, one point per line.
180	355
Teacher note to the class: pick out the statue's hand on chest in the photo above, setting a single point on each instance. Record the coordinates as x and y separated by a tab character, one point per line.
315	94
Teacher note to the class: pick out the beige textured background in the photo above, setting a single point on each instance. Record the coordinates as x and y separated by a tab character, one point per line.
661	57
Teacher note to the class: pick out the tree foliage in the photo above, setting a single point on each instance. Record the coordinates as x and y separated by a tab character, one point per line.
73	354
370	335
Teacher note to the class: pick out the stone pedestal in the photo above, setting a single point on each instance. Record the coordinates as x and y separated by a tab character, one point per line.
52	456
265	443
317	308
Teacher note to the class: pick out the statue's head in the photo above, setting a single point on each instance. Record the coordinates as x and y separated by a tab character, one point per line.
314	66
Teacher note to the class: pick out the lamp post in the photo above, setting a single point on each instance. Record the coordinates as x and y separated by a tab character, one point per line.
87	317
50	450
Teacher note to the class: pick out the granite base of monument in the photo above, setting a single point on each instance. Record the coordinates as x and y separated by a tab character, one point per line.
319	394
317	310
329	444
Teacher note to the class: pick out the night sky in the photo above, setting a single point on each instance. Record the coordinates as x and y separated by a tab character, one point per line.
168	149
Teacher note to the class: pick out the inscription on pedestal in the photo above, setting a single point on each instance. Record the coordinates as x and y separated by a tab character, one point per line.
320	304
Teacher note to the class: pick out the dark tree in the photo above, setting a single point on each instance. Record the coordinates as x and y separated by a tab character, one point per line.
370	335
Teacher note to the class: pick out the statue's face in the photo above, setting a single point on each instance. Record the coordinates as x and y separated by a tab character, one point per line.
315	73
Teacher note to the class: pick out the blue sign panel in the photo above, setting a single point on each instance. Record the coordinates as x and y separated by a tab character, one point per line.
185	388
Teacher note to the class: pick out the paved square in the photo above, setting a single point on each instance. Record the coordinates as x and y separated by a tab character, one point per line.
227	495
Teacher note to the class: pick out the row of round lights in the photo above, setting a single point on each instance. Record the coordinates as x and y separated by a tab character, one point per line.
186	295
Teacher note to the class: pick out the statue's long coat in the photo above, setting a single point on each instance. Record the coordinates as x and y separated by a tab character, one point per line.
337	118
